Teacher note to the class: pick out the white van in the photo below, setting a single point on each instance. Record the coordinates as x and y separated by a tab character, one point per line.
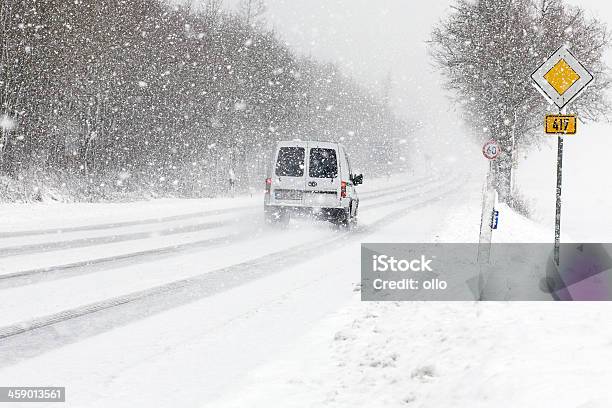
311	177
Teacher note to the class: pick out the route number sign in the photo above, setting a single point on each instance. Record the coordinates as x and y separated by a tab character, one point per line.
491	150
561	124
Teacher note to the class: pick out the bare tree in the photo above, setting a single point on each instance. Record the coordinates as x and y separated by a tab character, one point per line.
251	10
145	96
8	76
212	11
487	50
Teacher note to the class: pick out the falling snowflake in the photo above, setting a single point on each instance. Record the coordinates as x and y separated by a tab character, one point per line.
7	123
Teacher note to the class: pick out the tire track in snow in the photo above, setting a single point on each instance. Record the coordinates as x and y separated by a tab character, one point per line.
109	239
64	271
113	225
400	188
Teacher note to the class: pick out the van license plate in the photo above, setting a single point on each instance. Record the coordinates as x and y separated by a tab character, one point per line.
288	194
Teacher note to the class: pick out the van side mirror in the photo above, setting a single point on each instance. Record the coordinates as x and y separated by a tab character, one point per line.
357	179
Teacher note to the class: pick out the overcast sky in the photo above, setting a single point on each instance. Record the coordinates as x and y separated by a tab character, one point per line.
372	39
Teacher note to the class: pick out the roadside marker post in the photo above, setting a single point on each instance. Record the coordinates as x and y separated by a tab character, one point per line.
561	79
491	151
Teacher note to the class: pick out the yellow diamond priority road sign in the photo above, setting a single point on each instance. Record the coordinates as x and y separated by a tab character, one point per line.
561	78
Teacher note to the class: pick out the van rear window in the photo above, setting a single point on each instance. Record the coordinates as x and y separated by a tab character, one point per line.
323	163
290	162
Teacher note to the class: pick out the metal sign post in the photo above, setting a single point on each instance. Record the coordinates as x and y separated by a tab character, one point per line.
560	80
558	205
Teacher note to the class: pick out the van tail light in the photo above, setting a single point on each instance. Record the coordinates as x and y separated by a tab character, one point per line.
343	189
268	185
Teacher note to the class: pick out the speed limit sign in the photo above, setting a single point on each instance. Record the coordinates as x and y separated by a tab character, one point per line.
491	150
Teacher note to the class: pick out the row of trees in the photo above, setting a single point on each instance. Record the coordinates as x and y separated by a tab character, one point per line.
123	95
487	49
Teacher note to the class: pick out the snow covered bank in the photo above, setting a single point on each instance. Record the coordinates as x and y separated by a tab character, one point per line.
443	355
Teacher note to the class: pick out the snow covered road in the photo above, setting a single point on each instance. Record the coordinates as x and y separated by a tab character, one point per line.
231	287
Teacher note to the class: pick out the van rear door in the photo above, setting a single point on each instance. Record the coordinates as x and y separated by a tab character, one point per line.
323	175
288	174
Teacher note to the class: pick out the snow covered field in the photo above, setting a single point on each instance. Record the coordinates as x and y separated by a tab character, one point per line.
195	303
198	303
